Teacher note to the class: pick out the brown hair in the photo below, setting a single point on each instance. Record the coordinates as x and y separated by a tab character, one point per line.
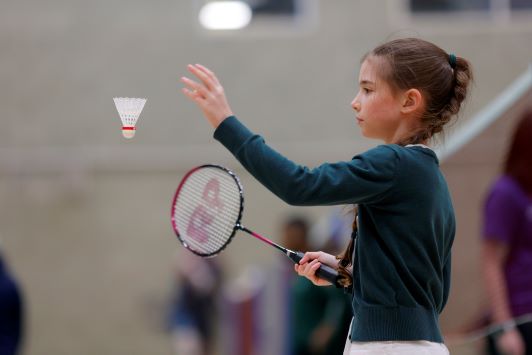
412	63
345	275
443	81
519	157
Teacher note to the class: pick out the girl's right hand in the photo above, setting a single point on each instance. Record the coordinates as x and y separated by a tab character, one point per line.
208	94
311	261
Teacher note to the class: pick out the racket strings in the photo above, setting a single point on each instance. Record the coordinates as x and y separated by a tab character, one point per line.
206	210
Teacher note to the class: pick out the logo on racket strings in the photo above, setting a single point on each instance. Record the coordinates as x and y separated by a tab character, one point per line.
204	214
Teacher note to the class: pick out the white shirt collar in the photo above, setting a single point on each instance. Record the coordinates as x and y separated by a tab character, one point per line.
419	145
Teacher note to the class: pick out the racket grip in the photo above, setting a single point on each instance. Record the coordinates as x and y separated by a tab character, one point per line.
324	272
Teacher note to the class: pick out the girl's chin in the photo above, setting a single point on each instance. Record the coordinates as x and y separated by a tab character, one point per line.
365	132
369	135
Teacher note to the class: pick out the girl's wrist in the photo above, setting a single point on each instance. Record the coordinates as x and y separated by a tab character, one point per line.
217	122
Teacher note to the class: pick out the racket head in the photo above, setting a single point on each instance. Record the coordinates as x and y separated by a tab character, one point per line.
207	208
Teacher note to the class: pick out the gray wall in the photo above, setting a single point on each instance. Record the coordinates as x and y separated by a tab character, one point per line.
84	218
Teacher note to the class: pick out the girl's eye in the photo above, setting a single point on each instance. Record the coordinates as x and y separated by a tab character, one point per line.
366	90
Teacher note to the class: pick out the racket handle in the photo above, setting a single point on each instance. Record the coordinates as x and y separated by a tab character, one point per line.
324	272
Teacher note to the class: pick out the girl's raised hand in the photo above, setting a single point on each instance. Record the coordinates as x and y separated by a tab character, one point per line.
311	262
208	94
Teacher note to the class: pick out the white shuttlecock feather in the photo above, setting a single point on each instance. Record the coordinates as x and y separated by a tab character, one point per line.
129	110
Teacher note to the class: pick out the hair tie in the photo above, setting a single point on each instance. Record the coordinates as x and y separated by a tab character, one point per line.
452	60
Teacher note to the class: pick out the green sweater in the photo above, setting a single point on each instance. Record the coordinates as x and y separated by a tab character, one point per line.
406	229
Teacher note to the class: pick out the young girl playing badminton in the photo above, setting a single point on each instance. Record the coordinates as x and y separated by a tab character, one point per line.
400	266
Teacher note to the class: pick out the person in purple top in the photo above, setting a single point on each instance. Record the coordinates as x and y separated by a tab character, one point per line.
507	246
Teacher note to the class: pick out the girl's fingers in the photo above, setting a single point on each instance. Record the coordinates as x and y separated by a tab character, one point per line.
305	259
200	74
310	268
192	85
301	269
311	271
314	262
307	266
208	72
208	95
192	94
310	255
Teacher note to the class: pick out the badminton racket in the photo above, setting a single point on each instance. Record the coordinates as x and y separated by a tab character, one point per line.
207	211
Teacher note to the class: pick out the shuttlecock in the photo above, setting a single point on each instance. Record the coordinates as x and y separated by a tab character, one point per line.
129	110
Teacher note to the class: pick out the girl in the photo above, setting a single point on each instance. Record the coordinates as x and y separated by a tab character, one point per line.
399	269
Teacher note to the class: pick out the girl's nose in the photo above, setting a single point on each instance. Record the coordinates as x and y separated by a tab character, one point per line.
355	105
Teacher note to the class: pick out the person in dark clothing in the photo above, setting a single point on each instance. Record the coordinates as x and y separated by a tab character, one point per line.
194	307
11	312
320	316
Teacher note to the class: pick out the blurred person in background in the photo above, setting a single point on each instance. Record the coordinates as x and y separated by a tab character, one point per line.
507	246
323	314
194	308
11	311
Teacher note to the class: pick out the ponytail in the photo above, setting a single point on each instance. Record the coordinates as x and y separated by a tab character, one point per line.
345	264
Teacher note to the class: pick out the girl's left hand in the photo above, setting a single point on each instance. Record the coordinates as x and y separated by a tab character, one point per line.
208	94
311	261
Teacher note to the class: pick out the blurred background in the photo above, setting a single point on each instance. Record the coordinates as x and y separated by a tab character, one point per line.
85	214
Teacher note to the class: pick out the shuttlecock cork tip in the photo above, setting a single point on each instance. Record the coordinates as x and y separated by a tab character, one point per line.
128	132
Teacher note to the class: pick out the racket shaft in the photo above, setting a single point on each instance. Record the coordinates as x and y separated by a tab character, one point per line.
261	238
324	272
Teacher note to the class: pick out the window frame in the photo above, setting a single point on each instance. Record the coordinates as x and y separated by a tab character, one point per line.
304	22
499	17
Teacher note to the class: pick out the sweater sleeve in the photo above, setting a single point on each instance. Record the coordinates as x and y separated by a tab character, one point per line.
364	179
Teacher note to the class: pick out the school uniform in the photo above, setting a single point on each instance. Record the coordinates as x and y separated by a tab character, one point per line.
402	257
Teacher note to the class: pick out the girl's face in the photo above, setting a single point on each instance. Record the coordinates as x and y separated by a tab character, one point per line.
378	109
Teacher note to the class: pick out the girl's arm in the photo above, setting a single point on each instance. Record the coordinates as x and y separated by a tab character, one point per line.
494	255
364	179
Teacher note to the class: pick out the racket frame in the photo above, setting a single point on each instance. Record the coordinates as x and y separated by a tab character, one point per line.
324	271
240	212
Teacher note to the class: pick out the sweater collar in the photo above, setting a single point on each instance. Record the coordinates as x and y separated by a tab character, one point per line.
425	149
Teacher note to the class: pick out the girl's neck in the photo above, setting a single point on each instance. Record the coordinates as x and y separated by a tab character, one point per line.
405	129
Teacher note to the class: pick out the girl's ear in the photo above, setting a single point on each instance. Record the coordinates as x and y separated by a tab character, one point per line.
412	101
